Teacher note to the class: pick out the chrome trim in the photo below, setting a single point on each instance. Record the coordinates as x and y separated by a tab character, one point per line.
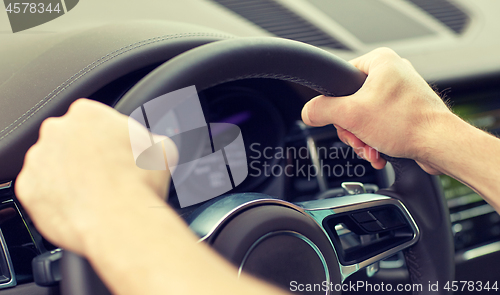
24	222
353	188
331	193
294	234
341	230
372	269
400	262
208	221
311	146
5	251
340	192
332	206
6	185
478	252
339	202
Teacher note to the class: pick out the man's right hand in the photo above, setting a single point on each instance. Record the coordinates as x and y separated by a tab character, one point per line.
395	112
398	114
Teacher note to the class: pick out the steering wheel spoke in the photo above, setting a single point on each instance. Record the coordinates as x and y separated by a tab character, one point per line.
360	229
364	228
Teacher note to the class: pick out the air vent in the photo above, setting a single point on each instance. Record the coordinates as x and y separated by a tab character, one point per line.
281	21
445	12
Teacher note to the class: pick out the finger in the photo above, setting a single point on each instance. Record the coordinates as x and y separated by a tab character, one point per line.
363	150
379	164
373	156
341	134
323	110
351	139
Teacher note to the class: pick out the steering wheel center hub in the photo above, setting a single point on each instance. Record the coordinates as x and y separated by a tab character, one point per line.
287	258
279	244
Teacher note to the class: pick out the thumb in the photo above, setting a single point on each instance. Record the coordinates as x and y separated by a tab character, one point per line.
323	110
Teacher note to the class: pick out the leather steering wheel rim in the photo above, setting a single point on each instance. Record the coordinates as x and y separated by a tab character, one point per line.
431	259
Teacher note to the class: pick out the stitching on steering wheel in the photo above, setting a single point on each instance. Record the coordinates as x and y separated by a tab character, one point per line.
410	257
280	77
97	63
413	267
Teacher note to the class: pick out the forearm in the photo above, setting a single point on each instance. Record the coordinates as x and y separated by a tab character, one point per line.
469	155
155	253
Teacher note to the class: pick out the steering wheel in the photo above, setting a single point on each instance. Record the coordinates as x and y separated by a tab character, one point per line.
282	241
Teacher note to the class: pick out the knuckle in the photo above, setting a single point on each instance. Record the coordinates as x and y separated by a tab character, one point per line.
22	188
23	184
393	71
48	125
386	52
388	57
85	109
31	155
406	61
79	106
20	184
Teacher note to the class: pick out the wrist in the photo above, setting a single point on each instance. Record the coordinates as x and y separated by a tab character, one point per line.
438	146
112	216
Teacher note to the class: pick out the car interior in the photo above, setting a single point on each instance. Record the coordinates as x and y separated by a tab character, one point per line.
307	198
